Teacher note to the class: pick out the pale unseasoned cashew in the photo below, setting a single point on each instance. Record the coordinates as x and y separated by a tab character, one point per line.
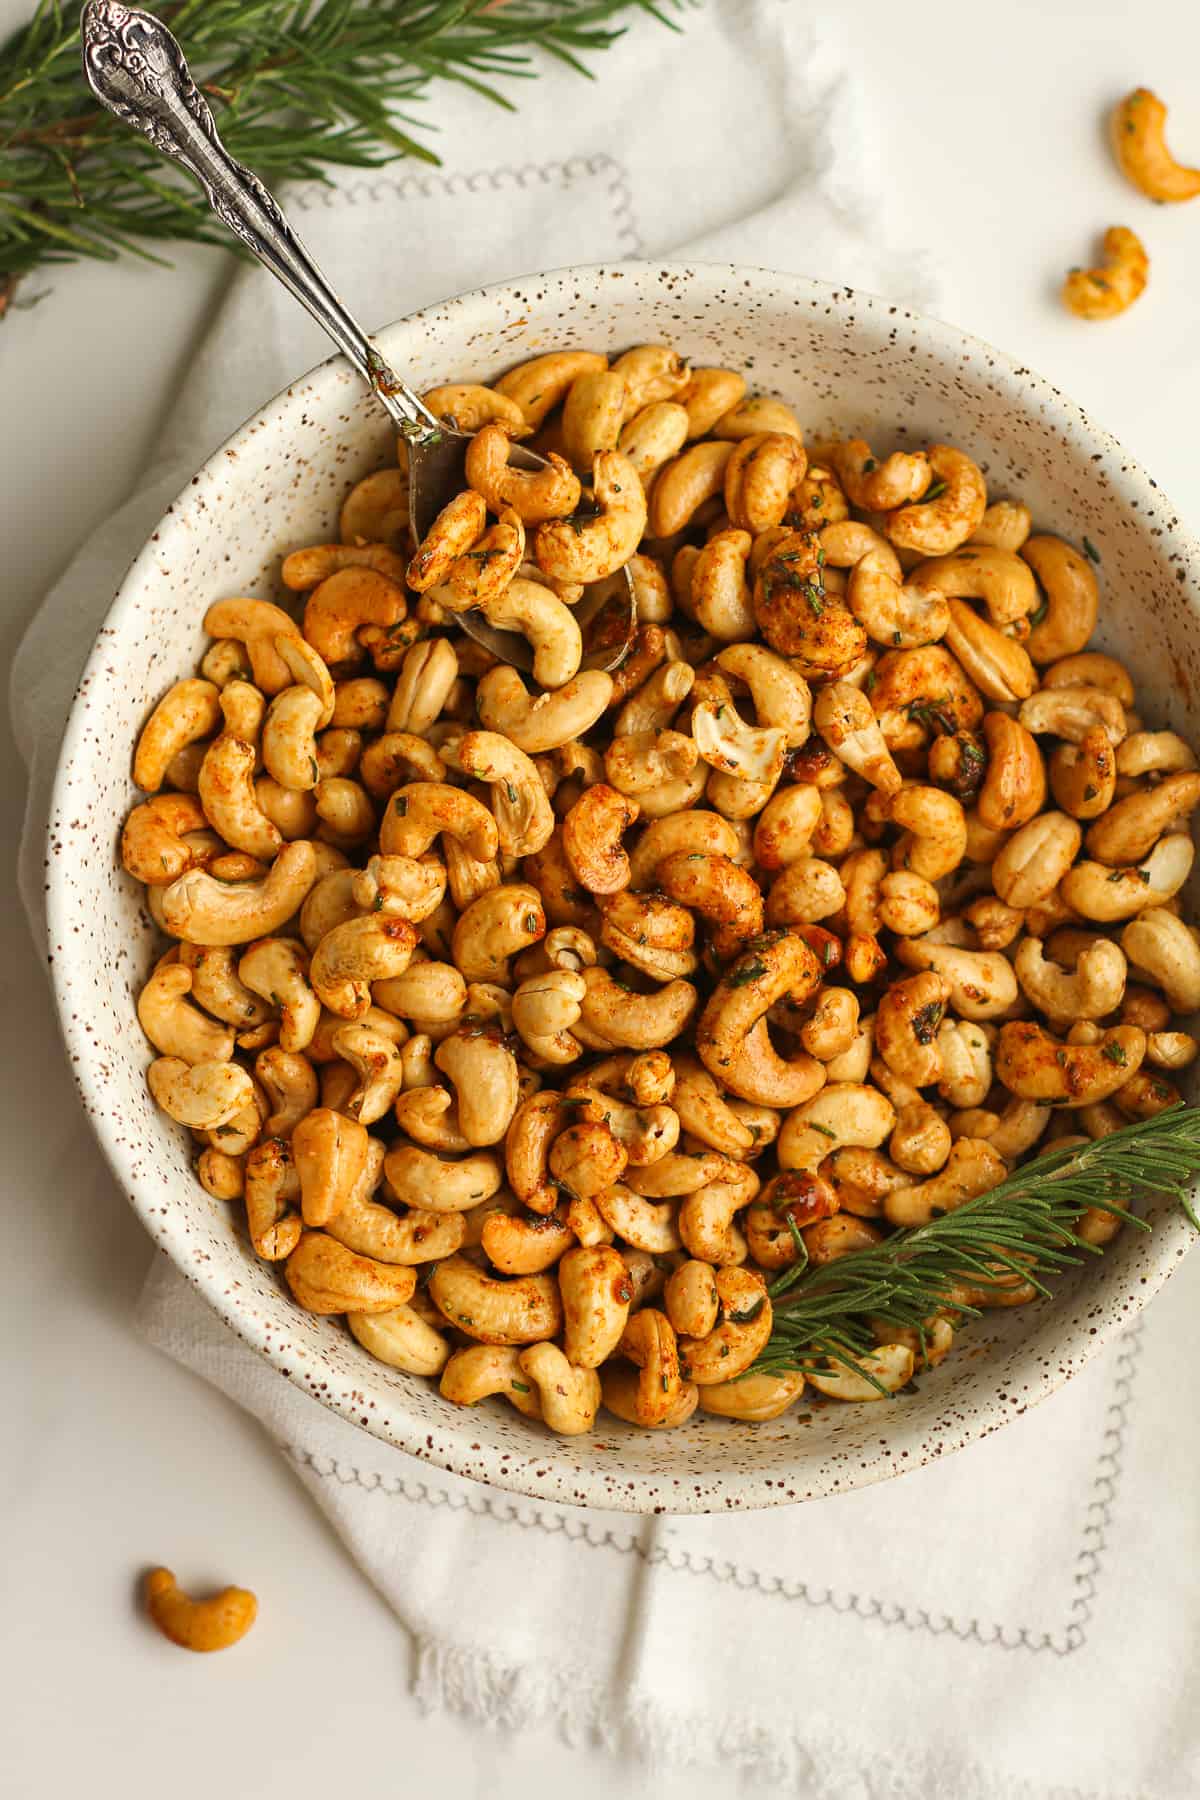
375	511
1154	752
966	1062
1035	1066
782	698
587	548
1097	892
718	592
875	1375
1091	992
753	1398
640	1021
421	810
937	527
175	1027
526	1310
1163	946
1139	142
484	1074
402	1339
845	719
289	746
353	955
214	1624
189	711
743	1330
206	911
902	617
1103	292
544	723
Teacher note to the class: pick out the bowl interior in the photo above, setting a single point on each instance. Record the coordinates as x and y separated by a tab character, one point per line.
847	363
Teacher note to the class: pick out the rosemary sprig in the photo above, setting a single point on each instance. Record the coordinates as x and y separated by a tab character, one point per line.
297	85
1024	1226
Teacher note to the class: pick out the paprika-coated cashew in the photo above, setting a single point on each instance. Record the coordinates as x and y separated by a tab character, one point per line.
419	1178
646	1224
589	547
308	568
937	527
880	486
592	832
636	1021
1014	786
776	964
402	1340
452	533
481	1370
1103	292
683	485
204	1625
875	1375
596	1294
570	1397
175	1027
538	385
525	1310
325	1277
346	604
982	983
329	1154
901	615
495	927
907	1021
1139	143
759	478
256	624
648	1342
549	721
706	1217
351	956
159	840
1035	1066
482	574
206	911
1072	603
1005	526
653	436
996	663
375	1058
1102	894
1128	831
187	712
203	1095
782	698
972	1168
709	396
271	1184
847	722
422	810
741	1333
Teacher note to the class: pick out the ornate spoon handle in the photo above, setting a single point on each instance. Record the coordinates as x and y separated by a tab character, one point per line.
136	69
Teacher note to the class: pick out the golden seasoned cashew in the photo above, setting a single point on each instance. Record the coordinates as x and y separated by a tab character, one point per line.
1162	946
1130	829
175	1027
683	485
277	969
433	992
832	1030
640	1021
592	832
1139	125
937	527
1090	668
480	576
1035	859
682	833
569	1396
806	891
907	1021
375	1058
846	720
934	838
620	1385
754	1398
476	1373
652	372
207	911
784	829
224	661
523	1245
900	616
544	1009
550	719
293	814
538	385
456	528
1014	786
981	982
351	956
921	1141
782	698
550	627
908	903
1102	894
714	886
308	568
204	1095
1154	753
653	436
966	1062
973	1167
483	1072
346	605
1035	1066
642	761
421	810
330	1155
996	663
710	394
325	1277
375	511
291	1084
471	406
1171	1049
732	1038
649	932
187	712
706	1217
843	1113
743	1331
423	686
1072	602
523	813
420	1179
1004	583
216	987
1005	526
256	624
589	547
648	1342
271	1184
159	840
875	1375
402	1339
1103	292
880	486
289	745
759	478
718	592
214	1624
747	752
495	927
847	542
653	706
594	408
596	1296
691	1299
525	1310
408	886
797	614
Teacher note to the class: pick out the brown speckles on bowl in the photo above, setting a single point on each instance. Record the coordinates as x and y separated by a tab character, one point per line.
847	363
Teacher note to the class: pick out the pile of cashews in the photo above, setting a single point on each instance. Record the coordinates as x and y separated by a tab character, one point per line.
533	1029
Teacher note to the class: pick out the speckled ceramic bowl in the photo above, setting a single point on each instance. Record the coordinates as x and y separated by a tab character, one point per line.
847	363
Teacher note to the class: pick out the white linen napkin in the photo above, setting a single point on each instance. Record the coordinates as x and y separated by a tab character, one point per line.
975	1630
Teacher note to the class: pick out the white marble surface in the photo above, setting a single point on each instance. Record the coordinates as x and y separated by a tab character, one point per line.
113	1456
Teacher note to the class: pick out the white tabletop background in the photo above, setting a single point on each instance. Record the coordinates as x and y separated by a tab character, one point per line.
992	123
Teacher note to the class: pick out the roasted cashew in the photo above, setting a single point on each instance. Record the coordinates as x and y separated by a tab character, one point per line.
718	592
550	720
710	396
843	1113
591	839
648	1342
754	1398
326	1278
570	1397
972	1168
982	983
997	664
1005	526
375	511
707	1217
159	840
189	711
484	1075
1072	599
743	1330
644	1223
345	606
1035	1066
402	1339
538	385
495	927
889	1369
731	1037
587	548
1035	859
907	1021
214	1624
937	527
596	1295
1102	894
277	970
1164	948
649	932
1103	292
1014	787
420	1179
784	829
1154	753
902	617
544	1009
204	1095
482	574
782	698
619	1018
176	1028
845	719
1139	141
526	1310
422	810
759	478
880	486
1128	831
934	837
796	615
683	485
550	627
351	956
330	1156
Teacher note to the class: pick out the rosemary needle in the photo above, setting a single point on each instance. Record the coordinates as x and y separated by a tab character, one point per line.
1025	1225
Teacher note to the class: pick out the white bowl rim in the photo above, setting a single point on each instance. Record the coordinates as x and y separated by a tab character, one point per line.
635	1492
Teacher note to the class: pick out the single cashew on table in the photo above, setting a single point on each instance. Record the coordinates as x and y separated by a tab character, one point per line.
537	1029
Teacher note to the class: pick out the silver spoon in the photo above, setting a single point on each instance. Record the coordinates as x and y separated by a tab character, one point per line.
135	68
